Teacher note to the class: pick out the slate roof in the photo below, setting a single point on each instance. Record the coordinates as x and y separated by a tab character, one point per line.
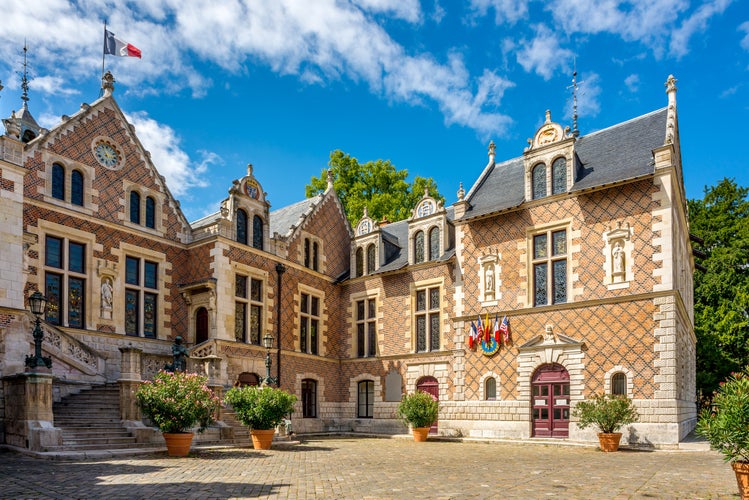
616	154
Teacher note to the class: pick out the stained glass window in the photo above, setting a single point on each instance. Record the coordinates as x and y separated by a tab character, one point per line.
53	290
421	333
434	243
540	284
559	239
66	289
150	212
359	262
419	247
539	181
427	315
539	246
149	315
150	274
132	271
371	259
315	255
240	328
559	176
58	181
255	317
560	281
550	268
141	318
257	232
76	188
241	226
248	294
256	290
240	286
134	207
434	332
366	340
306	252
76	294
131	312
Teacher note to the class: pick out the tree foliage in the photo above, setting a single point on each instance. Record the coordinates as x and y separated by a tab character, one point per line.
721	294
376	185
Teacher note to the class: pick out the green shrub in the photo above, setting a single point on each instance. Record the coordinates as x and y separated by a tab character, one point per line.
261	408
418	409
726	423
608	412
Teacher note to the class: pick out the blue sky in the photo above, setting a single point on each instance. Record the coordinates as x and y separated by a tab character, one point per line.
426	84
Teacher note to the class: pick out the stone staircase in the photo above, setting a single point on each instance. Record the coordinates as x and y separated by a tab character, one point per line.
90	420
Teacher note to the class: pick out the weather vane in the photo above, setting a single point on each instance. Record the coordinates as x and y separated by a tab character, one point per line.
574	87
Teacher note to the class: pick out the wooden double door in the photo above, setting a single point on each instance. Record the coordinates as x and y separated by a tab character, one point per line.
550	401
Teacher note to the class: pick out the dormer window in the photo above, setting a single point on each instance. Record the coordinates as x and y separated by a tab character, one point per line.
257	234
135	207
359	262
241	226
371	259
434	243
559	176
419	247
539	181
76	188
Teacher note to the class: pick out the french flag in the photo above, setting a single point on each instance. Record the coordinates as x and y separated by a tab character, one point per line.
116	47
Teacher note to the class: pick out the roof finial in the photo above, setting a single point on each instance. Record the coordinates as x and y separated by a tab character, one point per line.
461	192
249	170
492	150
24	78
330	179
575	131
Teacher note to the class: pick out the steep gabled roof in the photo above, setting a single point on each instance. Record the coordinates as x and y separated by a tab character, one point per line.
616	154
284	219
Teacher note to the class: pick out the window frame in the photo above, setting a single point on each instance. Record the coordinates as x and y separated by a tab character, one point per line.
559	187
490	395
67	279
258	232
309	398
310	322
368	404
241	227
429	313
549	264
77	188
538	180
365	327
619	383
433	247
146	293
249	305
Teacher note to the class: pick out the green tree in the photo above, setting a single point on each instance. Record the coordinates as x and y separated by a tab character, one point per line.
376	185
721	293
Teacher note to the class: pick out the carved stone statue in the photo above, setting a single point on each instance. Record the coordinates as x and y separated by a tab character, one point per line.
489	279
617	254
179	356
106	294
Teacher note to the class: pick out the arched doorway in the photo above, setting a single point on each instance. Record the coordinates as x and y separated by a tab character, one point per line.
550	401
201	325
430	386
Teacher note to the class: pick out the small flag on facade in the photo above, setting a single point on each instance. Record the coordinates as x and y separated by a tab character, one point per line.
472	335
496	329
116	47
487	330
505	328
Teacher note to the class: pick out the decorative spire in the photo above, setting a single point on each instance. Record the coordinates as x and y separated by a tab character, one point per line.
461	191
330	179
249	170
575	131
548	116
24	78
671	116
492	151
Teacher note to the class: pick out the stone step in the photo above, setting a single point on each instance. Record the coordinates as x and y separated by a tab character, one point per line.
108	440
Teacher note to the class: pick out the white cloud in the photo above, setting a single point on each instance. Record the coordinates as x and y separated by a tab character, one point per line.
181	172
696	23
632	82
745	41
543	54
510	11
409	10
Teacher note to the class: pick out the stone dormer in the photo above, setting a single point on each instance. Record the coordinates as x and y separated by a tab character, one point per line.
549	161
247	209
367	247
430	233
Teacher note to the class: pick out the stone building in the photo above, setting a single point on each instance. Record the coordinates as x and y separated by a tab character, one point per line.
574	255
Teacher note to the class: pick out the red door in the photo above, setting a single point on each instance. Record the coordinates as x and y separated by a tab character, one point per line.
550	401
430	386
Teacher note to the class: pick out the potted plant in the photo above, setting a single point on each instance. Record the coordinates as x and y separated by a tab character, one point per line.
419	410
725	424
261	409
177	402
608	412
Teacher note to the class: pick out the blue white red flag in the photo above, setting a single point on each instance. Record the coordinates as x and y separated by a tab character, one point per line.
116	47
505	328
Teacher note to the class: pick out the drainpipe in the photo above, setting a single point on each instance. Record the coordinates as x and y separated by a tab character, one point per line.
280	269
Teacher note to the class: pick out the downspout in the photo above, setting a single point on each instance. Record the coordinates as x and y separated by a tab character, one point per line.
280	269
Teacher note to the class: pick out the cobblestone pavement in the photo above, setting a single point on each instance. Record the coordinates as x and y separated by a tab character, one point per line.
360	468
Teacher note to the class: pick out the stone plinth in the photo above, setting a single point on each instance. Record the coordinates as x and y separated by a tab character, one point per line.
29	422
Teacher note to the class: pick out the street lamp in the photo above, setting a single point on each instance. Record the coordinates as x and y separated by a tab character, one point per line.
37	304
268	344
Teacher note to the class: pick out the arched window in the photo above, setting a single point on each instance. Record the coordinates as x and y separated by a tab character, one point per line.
306	252
257	232
490	389
315	254
58	181
419	247
150	212
359	262
539	181
365	400
559	176
134	207
434	243
76	188
619	384
241	226
371	259
309	398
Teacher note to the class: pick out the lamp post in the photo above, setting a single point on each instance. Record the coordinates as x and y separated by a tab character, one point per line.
268	344
37	304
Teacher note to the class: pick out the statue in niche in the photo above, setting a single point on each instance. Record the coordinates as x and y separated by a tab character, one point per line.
489	279
617	257
106	294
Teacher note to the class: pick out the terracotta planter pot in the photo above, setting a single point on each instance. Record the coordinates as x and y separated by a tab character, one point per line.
178	443
609	441
420	434
742	478
262	438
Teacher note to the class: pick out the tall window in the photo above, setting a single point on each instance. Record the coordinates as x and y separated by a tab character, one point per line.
559	176
241	226
359	262
248	309
371	259
315	255
134	207
76	188
366	328
141	297
257	232
65	281
427	317
490	389
309	321
619	384
58	181
150	212
309	398
419	247
550	267
306	252
434	243
365	400
539	181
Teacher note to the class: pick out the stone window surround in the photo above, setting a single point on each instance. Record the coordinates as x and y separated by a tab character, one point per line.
322	317
304	235
365	295
532	231
444	326
354	393
262	276
128	187
482	387
619	369
363	242
68	165
320	392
